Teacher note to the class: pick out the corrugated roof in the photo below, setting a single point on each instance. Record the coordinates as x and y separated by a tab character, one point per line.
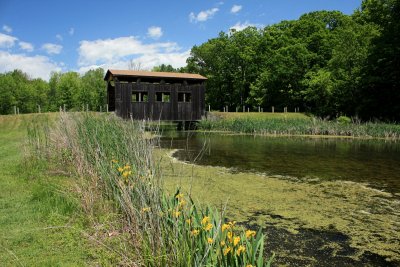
153	74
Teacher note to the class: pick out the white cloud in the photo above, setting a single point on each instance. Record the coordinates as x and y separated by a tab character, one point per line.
7	41
241	26
154	32
177	60
52	49
118	52
71	31
236	9
203	15
26	46
35	67
59	37
7	29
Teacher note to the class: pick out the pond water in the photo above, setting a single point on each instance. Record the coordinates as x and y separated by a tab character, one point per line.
373	162
315	197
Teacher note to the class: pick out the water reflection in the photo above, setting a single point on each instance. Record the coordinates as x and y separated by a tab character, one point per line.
374	162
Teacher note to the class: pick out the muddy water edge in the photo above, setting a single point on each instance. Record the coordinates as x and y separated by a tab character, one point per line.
321	202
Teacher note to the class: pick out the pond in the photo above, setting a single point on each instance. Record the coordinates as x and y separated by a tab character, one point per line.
373	162
321	201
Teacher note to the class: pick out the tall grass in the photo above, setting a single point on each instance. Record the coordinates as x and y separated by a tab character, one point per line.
167	230
300	126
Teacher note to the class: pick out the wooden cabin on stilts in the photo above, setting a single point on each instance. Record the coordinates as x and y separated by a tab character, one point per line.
165	96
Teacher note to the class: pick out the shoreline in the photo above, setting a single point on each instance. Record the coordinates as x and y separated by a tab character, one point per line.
351	209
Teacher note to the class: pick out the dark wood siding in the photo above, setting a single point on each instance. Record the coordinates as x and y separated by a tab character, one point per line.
173	110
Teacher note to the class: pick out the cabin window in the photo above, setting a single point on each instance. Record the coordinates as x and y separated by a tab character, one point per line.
162	97
184	97
139	97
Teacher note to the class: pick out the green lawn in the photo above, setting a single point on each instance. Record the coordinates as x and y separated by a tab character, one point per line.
41	223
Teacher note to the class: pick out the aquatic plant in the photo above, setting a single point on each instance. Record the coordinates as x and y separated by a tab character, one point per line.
115	156
296	125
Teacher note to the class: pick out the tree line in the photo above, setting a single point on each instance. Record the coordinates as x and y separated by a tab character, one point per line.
67	90
326	63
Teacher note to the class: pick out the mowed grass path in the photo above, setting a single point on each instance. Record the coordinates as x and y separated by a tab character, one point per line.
40	221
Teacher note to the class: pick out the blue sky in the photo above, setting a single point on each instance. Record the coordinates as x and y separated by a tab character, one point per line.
43	36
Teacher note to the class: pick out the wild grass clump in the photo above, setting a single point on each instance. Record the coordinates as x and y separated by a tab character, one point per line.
301	126
116	157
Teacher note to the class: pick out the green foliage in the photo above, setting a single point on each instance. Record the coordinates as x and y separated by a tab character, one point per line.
168	230
380	85
40	223
343	120
69	89
168	68
325	62
289	125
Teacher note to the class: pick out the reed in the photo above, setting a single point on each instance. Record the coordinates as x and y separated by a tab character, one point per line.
288	125
115	157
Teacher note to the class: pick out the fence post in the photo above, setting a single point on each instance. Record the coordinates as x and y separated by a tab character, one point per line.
107	107
223	109
273	109
15	110
18	111
209	108
60	109
248	109
87	107
227	109
64	108
39	108
262	109
244	109
101	110
259	109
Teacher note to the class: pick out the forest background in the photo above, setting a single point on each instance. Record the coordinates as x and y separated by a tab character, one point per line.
325	63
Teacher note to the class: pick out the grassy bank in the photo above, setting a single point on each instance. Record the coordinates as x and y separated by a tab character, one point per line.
116	161
42	217
40	222
295	124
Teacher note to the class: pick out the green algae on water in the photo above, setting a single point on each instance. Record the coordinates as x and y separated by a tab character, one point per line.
369	217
